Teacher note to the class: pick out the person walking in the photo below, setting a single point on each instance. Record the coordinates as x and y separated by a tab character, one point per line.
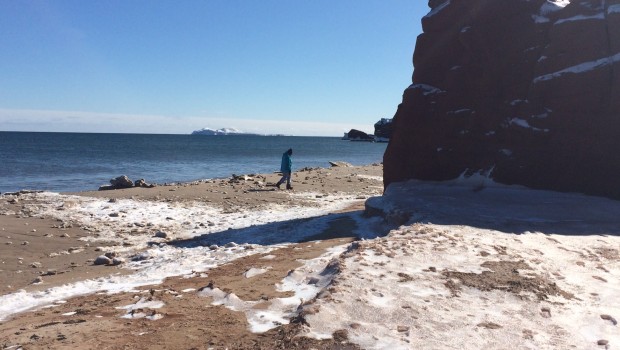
286	168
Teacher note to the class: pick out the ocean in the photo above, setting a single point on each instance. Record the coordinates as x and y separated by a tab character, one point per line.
72	162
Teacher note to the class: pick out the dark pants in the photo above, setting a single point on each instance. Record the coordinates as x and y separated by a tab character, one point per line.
285	177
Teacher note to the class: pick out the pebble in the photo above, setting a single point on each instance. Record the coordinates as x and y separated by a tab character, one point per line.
213	247
603	342
117	261
65	235
25	243
36	265
609	318
230	245
161	234
38	280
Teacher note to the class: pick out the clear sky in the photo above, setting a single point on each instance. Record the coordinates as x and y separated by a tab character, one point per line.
312	67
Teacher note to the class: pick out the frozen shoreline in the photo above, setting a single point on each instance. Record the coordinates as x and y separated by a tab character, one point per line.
466	263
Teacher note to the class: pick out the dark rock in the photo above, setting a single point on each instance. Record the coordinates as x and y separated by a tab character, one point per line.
357	135
161	234
527	92
383	129
102	260
121	182
143	183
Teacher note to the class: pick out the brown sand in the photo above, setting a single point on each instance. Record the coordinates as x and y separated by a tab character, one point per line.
54	250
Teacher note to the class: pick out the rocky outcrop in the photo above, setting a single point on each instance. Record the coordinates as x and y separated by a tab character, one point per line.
383	129
526	91
357	135
124	182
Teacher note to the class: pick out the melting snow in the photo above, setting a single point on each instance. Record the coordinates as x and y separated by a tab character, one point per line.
306	282
169	259
397	292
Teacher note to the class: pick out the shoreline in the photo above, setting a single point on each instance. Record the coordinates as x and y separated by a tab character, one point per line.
502	266
63	237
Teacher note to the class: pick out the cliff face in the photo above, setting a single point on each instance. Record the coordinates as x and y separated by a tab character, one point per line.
525	90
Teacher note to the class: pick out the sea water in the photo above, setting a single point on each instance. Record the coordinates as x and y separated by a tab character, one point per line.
69	162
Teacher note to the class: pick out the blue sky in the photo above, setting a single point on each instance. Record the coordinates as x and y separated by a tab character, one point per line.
314	67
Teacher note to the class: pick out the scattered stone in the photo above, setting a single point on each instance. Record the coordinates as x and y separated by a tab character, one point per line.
230	245
489	325
546	312
102	260
144	184
25	243
110	255
609	318
341	335
161	234
50	272
38	280
402	329
602	342
118	261
65	235
36	265
213	247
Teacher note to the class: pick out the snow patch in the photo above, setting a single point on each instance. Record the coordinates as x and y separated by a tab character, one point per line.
393	292
428	89
255	272
580	68
600	16
305	282
437	9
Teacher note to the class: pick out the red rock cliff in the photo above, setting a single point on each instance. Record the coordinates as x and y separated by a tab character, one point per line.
525	90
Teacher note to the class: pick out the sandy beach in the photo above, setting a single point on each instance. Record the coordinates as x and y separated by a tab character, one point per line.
237	264
46	243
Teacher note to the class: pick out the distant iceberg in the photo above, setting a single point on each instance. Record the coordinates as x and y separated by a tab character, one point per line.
222	131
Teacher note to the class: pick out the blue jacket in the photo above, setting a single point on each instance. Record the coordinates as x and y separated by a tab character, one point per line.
287	163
